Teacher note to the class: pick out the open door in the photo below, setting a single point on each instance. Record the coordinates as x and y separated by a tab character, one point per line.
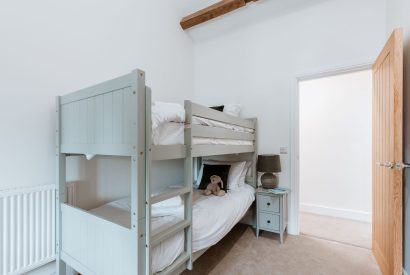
388	156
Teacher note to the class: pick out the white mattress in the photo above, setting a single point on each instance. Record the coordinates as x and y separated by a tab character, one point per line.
169	133
213	218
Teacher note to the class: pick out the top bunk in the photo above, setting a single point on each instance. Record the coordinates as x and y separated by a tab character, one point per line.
226	134
115	118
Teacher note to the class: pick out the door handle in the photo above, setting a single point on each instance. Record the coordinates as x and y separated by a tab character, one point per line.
389	165
395	165
401	165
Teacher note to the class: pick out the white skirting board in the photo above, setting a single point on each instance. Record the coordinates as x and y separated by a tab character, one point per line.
27	229
336	212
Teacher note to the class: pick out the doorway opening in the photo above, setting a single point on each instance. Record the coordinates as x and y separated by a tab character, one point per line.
335	157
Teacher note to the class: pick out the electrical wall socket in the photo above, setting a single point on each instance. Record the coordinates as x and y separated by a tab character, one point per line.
283	150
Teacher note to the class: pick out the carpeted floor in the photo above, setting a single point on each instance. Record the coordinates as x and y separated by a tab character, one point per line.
240	252
336	229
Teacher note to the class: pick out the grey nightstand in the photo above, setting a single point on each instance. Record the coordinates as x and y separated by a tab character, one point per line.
271	212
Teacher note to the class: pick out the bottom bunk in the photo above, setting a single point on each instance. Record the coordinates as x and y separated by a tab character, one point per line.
213	218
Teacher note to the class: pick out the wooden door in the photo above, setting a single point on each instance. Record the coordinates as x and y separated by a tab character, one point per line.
388	156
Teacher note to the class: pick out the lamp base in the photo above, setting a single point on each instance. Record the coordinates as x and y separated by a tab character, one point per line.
269	181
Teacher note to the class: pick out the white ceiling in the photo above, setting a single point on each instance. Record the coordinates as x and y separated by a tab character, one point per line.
253	13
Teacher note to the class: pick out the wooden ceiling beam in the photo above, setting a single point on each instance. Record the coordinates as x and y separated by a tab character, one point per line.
213	11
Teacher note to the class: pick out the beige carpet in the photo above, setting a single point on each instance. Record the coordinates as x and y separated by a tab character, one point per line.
240	252
336	229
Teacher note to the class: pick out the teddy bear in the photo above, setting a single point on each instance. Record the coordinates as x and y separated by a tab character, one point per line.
213	187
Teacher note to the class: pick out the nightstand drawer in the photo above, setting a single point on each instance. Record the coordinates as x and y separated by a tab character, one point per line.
267	221
269	203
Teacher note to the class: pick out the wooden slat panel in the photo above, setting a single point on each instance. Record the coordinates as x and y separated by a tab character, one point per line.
168	193
216	132
90	120
82	123
164	152
100	124
127	115
214	150
176	264
118	120
387	147
87	248
99	119
166	232
108	118
99	89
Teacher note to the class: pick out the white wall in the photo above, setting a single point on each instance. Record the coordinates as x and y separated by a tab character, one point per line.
335	134
51	48
398	16
257	65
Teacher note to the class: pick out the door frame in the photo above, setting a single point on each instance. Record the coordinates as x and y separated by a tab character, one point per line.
294	222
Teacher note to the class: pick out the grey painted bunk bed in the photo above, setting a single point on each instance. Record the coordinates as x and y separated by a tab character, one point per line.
114	118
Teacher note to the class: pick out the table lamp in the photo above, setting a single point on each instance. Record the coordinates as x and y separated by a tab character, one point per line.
269	164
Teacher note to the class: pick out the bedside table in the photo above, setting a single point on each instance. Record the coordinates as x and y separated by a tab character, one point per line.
271	212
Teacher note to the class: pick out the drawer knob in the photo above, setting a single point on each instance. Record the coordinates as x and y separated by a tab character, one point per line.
268	203
268	221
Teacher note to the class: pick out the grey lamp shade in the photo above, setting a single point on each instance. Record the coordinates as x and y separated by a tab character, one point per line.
269	163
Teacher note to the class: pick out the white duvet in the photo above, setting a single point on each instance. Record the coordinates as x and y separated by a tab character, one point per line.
213	218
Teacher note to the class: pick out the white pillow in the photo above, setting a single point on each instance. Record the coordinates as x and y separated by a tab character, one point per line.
244	172
233	109
235	176
166	112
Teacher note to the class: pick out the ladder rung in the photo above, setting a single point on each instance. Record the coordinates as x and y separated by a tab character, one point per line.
176	264
168	232
170	193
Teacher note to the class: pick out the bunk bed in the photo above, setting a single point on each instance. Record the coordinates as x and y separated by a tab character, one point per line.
115	118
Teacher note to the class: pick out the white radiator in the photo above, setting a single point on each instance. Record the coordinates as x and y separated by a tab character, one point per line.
27	229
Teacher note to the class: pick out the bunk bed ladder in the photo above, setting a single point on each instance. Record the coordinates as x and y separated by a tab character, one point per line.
185	259
188	202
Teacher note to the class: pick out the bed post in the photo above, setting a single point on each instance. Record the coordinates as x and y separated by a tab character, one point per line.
138	170
148	161
61	196
188	167
255	154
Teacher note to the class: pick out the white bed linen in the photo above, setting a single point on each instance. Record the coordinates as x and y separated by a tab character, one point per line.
169	133
213	218
166	112
163	112
168	126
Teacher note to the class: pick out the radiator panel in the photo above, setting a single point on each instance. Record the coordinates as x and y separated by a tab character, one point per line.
27	229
